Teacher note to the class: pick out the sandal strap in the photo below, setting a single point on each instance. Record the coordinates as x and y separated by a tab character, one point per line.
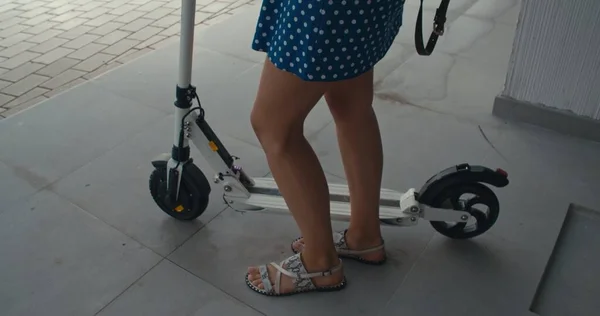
306	275
264	276
359	252
293	267
277	279
343	249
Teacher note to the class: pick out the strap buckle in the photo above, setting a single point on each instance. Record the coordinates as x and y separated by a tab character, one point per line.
438	23
438	29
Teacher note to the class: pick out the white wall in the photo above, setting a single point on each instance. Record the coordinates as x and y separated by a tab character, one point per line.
556	56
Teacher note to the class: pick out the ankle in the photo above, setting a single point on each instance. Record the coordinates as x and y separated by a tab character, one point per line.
319	261
363	238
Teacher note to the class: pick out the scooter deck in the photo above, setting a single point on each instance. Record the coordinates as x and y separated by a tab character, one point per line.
266	194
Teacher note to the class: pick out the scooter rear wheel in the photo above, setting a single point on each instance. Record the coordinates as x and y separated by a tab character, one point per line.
482	219
194	192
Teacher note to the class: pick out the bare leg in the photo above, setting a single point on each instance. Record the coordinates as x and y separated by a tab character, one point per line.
281	106
359	139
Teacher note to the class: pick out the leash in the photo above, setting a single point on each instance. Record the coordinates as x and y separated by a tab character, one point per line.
438	28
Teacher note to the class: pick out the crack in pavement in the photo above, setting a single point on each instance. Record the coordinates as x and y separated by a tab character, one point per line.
490	143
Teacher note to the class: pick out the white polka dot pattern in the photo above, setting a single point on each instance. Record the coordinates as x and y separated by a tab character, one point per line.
327	40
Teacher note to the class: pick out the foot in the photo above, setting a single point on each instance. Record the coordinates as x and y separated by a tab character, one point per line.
370	251
291	276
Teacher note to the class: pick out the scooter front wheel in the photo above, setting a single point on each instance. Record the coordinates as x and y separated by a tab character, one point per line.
194	192
474	198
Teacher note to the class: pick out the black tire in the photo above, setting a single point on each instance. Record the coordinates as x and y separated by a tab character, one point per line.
449	198
194	192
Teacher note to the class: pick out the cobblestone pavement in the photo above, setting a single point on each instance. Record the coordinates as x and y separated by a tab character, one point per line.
47	46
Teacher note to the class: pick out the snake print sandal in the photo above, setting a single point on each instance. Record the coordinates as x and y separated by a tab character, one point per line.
339	239
293	268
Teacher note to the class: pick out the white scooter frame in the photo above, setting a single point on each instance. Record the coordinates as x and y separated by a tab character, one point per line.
182	190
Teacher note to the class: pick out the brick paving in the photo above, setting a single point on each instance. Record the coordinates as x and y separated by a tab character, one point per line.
48	46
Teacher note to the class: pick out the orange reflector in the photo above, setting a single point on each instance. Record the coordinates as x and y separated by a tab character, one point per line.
179	208
213	146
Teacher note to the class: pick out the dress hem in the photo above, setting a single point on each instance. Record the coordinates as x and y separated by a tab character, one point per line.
314	79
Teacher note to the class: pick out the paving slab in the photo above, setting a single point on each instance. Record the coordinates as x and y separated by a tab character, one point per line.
58	259
70	130
575	292
238	33
170	290
15	184
153	84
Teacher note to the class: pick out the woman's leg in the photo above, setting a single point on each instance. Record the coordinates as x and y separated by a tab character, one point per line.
359	139
282	104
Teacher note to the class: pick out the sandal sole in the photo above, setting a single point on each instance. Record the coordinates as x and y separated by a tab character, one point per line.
359	259
334	288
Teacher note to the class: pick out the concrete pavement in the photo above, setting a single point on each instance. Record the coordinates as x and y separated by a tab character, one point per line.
80	234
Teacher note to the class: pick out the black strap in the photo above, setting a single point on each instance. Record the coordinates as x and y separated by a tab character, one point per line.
438	28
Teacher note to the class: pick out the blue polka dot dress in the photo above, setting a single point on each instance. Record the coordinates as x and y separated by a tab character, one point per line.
327	40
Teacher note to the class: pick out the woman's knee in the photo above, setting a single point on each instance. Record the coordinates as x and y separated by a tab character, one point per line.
282	104
274	135
260	124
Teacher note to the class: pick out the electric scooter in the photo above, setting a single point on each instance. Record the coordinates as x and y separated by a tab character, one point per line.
181	189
